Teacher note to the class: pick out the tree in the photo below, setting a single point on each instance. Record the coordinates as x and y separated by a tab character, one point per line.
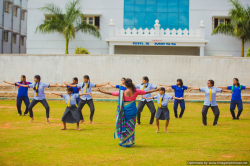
239	25
67	24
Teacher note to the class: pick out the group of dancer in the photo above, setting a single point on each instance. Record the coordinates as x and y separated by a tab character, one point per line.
79	94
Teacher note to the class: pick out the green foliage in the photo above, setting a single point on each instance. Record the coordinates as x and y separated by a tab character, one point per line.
248	52
81	50
68	23
239	25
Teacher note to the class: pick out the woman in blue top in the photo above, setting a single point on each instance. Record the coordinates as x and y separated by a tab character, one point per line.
75	89
122	86
236	97
39	95
22	95
179	93
210	101
86	86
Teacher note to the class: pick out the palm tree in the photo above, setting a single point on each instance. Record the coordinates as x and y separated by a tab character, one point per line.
67	24
239	25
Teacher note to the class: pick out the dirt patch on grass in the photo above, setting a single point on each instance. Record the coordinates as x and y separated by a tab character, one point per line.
7	107
227	156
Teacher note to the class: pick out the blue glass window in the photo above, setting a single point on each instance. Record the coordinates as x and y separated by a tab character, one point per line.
143	13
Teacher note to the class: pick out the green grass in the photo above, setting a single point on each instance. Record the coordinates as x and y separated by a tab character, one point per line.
38	143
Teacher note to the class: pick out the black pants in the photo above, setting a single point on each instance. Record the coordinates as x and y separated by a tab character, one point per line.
150	106
19	104
232	108
43	102
91	106
216	112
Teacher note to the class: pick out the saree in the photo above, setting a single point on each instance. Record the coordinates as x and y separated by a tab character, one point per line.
125	121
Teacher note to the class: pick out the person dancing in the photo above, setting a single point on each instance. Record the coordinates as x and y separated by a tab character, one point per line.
210	101
22	95
236	97
118	86
126	112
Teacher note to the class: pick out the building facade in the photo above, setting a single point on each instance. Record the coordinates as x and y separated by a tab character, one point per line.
156	27
13	26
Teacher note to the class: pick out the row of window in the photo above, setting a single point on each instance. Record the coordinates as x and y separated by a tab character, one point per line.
14	37
93	20
8	9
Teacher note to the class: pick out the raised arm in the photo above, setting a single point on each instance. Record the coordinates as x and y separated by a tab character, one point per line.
100	85
8	82
111	85
27	86
108	93
69	84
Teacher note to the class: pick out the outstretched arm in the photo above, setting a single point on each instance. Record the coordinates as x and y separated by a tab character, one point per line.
178	98
222	87
194	89
100	85
109	93
227	91
148	98
22	85
150	91
8	82
69	84
247	88
165	85
81	94
54	85
58	94
111	85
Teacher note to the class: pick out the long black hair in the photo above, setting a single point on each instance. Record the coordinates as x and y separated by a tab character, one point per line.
162	89
87	77
238	84
24	82
76	79
212	82
129	84
39	79
70	89
181	82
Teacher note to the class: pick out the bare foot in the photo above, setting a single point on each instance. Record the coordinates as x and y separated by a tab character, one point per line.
31	120
157	130
216	125
18	114
180	117
82	121
203	125
25	115
63	129
91	122
137	124
78	129
175	117
166	131
151	123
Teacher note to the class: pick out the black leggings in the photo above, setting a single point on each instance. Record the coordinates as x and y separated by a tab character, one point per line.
43	102
215	110
91	107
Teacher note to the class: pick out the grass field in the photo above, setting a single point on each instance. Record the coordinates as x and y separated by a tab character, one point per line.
38	143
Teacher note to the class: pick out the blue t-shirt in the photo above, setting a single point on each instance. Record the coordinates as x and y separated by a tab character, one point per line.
122	87
236	92
75	89
179	91
22	91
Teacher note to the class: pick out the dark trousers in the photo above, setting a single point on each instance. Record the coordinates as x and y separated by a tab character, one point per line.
182	105
19	104
43	102
216	112
140	107
232	108
91	106
77	101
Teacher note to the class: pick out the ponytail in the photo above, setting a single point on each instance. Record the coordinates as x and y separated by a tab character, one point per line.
24	82
39	79
129	84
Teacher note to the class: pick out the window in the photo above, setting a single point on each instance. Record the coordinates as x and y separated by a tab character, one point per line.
22	40
7	7
14	38
220	20
15	11
23	15
5	36
143	13
93	20
48	17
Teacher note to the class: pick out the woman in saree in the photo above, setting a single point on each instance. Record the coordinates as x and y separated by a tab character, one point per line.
126	112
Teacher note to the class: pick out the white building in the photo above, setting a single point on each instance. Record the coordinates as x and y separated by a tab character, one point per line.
184	28
13	26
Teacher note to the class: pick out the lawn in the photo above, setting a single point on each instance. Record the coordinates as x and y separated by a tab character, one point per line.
38	143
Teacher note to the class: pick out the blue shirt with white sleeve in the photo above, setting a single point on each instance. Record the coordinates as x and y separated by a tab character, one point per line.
82	86
40	94
72	99
207	101
148	86
165	99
